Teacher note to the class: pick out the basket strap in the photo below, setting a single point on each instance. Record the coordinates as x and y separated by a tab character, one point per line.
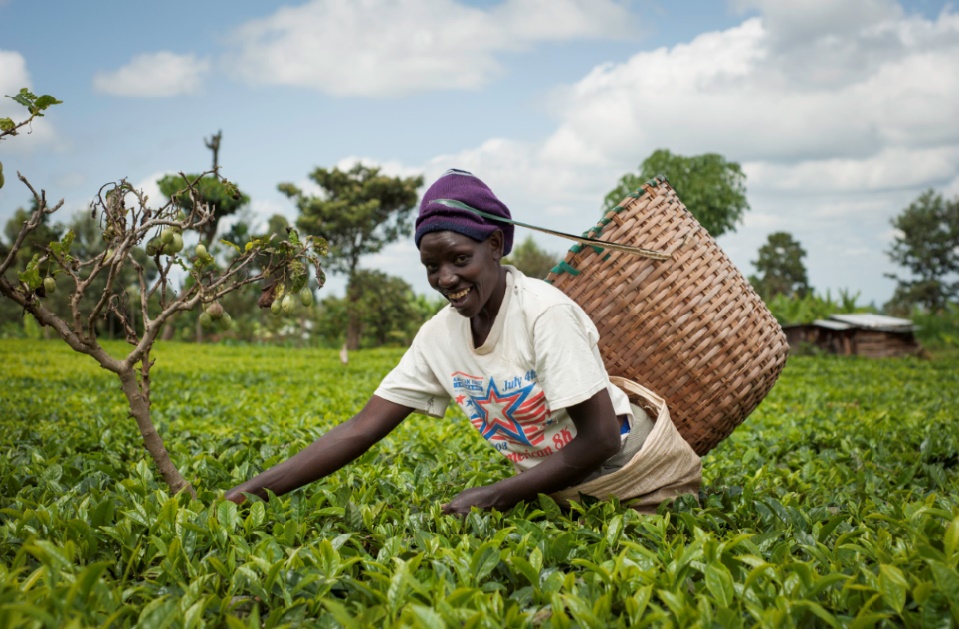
585	240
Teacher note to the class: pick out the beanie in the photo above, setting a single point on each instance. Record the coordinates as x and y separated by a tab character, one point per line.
439	209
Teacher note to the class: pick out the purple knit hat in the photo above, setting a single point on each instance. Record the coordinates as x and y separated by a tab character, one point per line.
441	209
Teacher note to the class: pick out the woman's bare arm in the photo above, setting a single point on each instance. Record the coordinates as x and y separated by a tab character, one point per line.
597	438
333	450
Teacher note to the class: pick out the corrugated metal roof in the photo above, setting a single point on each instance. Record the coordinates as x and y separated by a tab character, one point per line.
832	325
874	322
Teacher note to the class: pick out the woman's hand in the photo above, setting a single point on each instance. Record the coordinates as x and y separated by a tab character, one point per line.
480	497
235	495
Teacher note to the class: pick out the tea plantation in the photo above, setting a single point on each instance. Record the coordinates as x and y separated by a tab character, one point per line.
835	504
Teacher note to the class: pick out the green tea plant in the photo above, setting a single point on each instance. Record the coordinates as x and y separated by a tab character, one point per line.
138	236
835	504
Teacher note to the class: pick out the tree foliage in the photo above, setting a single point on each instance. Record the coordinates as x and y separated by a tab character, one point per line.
712	188
358	212
221	195
390	312
926	244
531	260
780	268
223	198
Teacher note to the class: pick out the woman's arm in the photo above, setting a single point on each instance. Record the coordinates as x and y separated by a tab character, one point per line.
329	453
597	438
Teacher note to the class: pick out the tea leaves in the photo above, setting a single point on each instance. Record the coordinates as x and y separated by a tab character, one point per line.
835	504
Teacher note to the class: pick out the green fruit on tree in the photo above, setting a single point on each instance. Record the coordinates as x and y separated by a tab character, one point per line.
275	307
206	320
154	246
166	236
215	310
226	321
177	245
49	285
201	251
287	304
306	296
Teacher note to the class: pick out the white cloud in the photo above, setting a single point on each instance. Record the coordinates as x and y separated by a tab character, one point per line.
153	75
838	128
393	47
13	77
148	185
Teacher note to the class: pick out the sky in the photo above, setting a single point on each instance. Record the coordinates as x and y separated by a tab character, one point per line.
840	113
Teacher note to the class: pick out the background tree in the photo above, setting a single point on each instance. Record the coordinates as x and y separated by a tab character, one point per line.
711	188
780	268
927	245
209	189
358	212
531	260
390	312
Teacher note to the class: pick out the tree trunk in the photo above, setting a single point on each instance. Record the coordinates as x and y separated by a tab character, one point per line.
353	330
140	411
354	325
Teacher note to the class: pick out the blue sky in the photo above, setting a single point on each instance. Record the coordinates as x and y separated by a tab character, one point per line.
841	113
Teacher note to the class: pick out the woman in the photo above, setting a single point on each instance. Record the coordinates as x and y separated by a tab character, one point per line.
518	356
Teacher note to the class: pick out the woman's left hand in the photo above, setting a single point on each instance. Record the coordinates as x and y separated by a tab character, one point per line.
479	497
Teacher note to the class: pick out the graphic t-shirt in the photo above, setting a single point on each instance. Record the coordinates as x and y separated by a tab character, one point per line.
540	358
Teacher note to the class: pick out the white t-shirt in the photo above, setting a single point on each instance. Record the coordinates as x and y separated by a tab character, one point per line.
540	357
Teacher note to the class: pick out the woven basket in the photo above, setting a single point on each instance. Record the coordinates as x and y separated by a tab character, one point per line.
690	328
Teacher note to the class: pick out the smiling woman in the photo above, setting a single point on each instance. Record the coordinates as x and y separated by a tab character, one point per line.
516	355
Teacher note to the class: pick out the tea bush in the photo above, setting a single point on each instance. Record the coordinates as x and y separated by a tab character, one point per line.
836	503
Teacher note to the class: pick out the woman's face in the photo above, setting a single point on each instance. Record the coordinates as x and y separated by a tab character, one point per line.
463	270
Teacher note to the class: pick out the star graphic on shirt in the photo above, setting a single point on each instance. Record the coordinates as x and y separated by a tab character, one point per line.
503	425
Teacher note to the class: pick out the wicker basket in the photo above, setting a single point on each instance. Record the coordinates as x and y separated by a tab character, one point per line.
690	328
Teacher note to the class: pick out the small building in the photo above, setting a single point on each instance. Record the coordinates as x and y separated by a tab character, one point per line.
872	335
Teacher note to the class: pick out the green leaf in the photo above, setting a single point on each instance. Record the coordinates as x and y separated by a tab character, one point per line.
719	582
893	587
426	617
31	275
484	560
62	248
340	613
257	516
613	530
46	101
947	580
226	515
25	98
950	542
818	610
549	507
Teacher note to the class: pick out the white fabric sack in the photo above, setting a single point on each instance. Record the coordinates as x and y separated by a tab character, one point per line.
666	466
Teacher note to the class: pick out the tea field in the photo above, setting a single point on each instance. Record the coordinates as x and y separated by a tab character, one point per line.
835	504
